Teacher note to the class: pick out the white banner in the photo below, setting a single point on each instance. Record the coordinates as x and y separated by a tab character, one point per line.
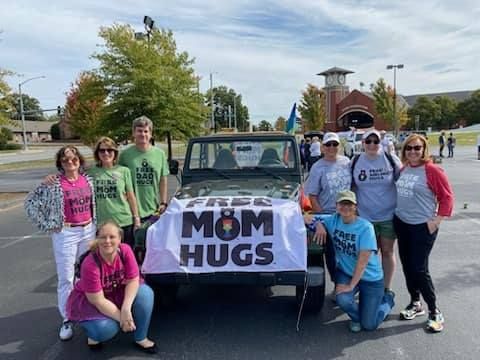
218	234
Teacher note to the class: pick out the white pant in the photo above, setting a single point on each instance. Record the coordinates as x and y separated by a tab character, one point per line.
68	245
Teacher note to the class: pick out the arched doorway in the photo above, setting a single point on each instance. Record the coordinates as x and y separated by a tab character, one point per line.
357	119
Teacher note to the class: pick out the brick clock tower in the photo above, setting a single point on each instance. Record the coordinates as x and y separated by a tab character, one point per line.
336	91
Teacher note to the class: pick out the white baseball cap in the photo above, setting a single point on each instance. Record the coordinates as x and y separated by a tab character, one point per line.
330	136
371	132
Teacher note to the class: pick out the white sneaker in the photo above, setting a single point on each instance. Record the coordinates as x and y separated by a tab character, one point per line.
66	331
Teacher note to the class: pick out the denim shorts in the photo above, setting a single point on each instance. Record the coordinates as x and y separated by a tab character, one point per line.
384	229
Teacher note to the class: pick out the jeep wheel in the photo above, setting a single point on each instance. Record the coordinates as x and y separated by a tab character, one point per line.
314	298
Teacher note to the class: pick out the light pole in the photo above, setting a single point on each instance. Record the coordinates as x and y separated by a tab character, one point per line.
148	23
22	113
395	122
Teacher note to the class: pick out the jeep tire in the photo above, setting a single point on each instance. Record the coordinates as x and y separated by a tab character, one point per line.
314	298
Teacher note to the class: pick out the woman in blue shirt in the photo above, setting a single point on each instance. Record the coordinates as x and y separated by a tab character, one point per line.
359	269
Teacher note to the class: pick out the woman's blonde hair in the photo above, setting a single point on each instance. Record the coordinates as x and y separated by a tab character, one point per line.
111	144
425	153
94	243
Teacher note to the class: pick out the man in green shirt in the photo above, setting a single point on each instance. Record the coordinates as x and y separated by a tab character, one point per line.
149	168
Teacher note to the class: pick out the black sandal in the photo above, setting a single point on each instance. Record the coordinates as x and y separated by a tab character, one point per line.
95	347
153	349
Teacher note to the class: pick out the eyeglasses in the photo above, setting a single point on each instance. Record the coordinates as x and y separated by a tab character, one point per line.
74	160
414	147
106	151
368	142
332	143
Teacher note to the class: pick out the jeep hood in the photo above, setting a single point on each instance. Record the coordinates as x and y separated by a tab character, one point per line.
273	188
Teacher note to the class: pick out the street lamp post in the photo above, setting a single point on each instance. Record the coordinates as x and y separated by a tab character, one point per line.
395	122
22	113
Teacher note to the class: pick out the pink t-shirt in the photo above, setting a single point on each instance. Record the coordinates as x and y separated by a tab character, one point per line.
77	200
114	278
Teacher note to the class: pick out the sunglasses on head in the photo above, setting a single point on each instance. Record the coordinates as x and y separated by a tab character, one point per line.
414	147
368	142
331	143
106	151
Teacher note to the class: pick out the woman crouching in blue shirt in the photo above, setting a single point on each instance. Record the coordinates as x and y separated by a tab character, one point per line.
359	268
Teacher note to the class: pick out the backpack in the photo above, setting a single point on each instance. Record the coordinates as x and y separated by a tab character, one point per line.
96	258
387	155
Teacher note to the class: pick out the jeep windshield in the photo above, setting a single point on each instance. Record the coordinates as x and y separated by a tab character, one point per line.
240	154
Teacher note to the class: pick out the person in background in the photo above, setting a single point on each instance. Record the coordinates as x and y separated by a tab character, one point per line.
373	180
387	145
451	142
114	194
149	169
328	176
315	152
66	208
110	295
424	199
441	143
358	264
301	148
308	143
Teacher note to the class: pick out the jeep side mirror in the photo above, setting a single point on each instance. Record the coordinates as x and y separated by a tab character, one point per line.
173	167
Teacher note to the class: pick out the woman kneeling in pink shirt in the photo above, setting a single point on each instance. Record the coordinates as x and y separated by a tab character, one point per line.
110	295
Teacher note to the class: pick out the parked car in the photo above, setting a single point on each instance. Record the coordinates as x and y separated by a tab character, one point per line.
236	219
353	145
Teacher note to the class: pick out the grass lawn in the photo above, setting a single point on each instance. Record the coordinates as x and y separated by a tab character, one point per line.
463	138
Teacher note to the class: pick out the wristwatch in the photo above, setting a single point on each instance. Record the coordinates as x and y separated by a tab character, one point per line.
164	204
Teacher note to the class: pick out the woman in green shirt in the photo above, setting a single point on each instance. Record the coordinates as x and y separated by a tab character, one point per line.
115	199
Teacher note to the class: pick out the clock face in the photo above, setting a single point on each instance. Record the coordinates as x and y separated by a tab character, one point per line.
341	79
330	79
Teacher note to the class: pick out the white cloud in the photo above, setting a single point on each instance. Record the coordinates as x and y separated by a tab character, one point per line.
266	50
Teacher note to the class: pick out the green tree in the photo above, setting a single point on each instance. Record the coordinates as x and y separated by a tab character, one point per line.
149	78
312	108
5	104
55	131
469	109
280	123
428	112
85	108
31	107
264	126
383	95
6	135
448	112
226	101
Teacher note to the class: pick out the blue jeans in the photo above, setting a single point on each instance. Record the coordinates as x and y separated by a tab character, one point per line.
105	329
374	304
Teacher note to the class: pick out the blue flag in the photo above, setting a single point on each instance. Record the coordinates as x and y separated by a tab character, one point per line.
292	123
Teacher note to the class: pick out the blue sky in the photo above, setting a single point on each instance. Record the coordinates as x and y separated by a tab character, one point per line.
268	51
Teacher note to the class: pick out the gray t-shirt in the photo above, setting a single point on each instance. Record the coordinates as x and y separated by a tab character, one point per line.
416	203
326	179
374	184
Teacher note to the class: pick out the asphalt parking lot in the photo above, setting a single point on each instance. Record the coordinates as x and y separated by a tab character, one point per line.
248	323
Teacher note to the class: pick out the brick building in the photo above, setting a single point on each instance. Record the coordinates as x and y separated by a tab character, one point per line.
346	109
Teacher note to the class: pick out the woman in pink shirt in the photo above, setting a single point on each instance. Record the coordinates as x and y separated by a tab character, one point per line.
66	208
110	295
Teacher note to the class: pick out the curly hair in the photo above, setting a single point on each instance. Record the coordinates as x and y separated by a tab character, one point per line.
63	151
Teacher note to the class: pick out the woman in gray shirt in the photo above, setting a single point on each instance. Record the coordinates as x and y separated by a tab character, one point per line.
373	179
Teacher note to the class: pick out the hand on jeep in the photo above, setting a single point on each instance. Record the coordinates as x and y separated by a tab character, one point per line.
320	236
